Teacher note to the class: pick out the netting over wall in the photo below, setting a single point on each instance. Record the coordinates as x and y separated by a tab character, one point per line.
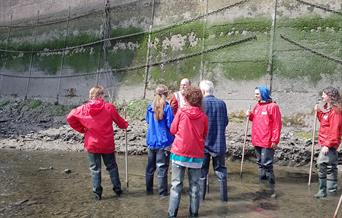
91	49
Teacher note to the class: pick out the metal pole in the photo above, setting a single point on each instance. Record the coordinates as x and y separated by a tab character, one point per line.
31	58
63	57
8	36
203	40
6	47
105	35
147	69
271	50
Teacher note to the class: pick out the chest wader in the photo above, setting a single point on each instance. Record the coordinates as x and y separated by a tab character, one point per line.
327	173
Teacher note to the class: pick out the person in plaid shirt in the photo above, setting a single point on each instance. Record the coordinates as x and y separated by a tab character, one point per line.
215	144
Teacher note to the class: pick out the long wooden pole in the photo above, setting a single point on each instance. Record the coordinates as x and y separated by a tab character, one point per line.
244	144
338	207
126	151
312	146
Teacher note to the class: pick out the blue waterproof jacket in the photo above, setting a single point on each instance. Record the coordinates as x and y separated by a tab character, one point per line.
158	132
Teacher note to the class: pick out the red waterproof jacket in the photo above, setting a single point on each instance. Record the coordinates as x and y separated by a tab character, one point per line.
330	130
190	127
266	126
95	119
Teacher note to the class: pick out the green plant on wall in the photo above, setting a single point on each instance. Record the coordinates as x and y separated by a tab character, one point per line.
246	61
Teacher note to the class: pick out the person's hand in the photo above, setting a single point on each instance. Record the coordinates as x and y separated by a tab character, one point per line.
316	108
325	150
274	146
247	113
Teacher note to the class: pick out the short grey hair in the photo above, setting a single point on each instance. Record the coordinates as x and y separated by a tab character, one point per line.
207	86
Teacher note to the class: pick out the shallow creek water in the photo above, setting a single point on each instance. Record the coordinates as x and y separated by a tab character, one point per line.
35	184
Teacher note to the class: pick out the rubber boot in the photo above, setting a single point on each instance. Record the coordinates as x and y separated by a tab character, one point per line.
332	187
322	192
273	194
149	184
203	188
163	186
223	190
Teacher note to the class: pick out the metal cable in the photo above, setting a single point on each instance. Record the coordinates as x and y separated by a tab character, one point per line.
320	7
128	35
137	67
335	59
57	21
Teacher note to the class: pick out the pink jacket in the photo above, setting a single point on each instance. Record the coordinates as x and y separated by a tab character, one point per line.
190	127
95	119
330	130
266	126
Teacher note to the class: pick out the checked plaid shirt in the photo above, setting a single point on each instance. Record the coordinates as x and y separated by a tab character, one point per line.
216	111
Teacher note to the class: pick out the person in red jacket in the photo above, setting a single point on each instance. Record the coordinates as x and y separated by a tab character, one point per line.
190	127
329	137
266	128
94	119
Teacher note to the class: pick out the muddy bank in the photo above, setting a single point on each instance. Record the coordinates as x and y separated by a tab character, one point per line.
34	125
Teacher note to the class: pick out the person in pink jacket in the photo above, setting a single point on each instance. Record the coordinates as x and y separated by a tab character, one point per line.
190	127
329	138
94	119
266	128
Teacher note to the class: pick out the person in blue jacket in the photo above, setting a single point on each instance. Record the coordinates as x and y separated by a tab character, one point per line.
159	117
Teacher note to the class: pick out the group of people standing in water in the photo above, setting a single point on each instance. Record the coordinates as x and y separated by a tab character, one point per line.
189	130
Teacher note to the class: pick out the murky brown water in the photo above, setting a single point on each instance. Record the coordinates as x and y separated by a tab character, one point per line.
29	188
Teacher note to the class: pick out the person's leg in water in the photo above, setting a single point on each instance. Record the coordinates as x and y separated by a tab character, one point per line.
95	169
112	168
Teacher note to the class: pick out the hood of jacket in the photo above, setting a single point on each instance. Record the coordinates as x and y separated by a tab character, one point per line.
94	107
192	112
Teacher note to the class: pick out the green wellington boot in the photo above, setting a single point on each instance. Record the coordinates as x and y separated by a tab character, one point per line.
322	192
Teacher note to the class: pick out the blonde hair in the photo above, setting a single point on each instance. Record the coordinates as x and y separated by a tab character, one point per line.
159	101
96	92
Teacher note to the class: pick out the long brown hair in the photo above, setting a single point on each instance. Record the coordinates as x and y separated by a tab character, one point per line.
159	101
334	97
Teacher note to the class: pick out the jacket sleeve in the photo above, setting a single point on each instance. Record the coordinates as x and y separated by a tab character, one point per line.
205	132
251	114
175	123
335	132
226	113
118	120
74	121
169	117
319	115
276	124
146	117
174	104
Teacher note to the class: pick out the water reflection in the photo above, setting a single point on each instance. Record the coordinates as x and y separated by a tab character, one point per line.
34	184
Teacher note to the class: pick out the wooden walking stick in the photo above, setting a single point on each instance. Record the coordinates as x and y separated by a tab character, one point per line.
126	150
312	146
338	207
244	142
